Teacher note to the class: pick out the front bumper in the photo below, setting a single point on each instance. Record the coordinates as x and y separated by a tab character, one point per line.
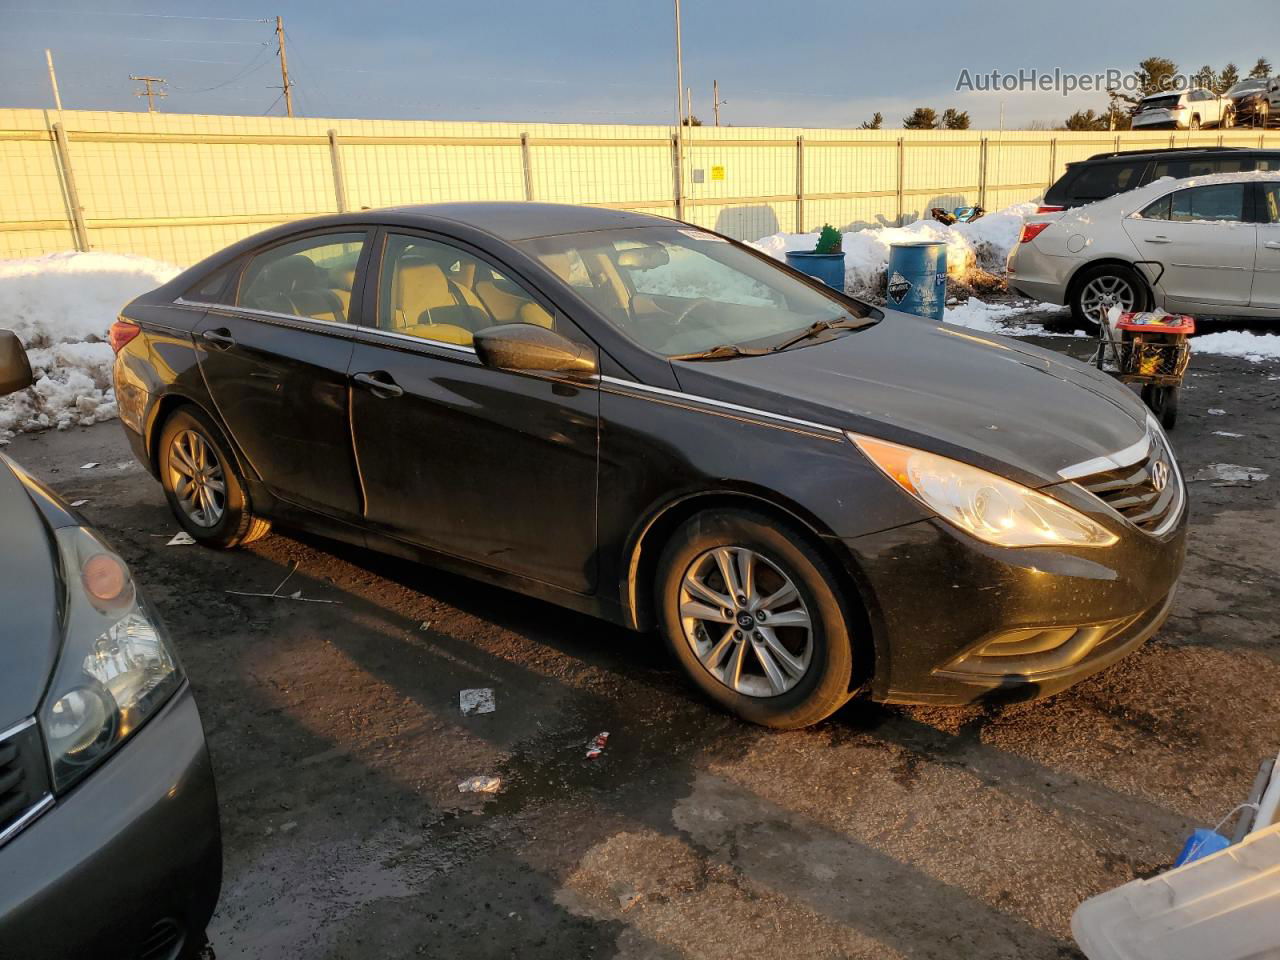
131	855
943	603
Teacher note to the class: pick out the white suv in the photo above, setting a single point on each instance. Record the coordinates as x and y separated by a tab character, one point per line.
1185	110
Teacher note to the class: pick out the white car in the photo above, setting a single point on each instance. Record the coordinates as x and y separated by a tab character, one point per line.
1204	246
1184	110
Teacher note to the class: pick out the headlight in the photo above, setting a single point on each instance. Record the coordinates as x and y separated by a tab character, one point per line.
983	504
115	670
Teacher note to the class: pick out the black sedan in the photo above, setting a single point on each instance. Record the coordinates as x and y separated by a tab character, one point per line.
637	418
109	837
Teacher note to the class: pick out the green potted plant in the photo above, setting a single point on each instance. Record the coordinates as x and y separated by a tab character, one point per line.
825	261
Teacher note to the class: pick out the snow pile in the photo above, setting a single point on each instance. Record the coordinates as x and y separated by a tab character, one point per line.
983	244
60	306
1254	347
1002	318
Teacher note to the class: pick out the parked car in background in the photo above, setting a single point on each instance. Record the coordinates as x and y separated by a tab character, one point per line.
1204	246
637	418
109	840
1256	101
1106	174
1184	110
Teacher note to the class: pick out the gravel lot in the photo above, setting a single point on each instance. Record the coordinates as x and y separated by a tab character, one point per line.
885	832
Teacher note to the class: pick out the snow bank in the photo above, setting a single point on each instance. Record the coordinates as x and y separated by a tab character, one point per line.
983	244
1255	347
1001	318
60	306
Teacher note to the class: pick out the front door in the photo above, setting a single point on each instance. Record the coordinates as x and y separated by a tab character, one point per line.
1203	239
488	465
275	359
1266	271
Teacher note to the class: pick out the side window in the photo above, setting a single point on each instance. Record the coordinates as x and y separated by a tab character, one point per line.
1220	202
439	292
1270	212
1160	210
213	288
306	278
1268	163
1106	179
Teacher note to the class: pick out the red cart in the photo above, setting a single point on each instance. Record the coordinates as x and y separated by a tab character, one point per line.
1151	349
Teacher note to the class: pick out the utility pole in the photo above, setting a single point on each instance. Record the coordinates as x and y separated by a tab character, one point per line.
148	92
53	80
715	99
284	68
679	118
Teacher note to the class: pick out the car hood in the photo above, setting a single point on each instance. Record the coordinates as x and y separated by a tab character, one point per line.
987	400
29	597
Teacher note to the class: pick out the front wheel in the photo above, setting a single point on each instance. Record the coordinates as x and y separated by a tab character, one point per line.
1228	120
754	616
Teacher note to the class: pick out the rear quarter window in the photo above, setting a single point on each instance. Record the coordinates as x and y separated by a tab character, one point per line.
214	288
1105	180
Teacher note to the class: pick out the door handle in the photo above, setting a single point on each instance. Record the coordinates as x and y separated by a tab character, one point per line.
379	387
220	337
1272	244
1157	239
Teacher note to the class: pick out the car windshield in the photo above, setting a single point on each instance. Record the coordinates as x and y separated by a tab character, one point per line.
678	290
1247	86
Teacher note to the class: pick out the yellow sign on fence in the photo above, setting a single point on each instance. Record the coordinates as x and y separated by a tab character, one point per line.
717	172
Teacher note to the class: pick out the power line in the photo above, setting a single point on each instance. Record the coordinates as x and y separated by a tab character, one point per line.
149	16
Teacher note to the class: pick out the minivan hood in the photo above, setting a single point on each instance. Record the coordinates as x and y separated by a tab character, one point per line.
1021	411
30	634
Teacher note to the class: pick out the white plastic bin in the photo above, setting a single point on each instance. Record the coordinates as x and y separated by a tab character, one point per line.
1224	907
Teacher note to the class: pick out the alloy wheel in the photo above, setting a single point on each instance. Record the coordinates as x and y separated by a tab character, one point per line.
197	479
745	621
1104	292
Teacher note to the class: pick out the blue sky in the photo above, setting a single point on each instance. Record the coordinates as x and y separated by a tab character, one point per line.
820	63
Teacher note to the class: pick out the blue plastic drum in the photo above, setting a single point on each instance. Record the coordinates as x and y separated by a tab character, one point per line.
827	267
918	278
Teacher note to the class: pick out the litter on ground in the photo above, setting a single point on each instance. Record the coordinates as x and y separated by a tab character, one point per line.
1226	433
1226	474
1217	412
179	539
89	466
477	700
597	745
276	594
78	503
480	785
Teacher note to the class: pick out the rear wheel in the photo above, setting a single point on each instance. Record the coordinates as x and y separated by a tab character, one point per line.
1195	123
1228	119
1163	402
1105	286
203	484
754	616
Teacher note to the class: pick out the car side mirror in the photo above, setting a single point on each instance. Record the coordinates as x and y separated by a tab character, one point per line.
526	346
15	368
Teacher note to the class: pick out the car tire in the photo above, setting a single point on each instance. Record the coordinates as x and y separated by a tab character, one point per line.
1195	123
1163	404
195	461
1093	284
1228	119
782	555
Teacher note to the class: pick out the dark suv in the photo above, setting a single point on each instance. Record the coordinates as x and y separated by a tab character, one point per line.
1106	174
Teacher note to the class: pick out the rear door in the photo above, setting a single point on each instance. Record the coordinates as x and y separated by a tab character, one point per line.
1266	275
275	360
1204	242
489	465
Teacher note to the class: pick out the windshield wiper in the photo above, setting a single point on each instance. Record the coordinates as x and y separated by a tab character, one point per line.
725	351
821	326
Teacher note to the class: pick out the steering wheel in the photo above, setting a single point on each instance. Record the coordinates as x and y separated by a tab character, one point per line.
689	309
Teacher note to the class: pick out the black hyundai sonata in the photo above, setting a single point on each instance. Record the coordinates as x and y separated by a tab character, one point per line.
647	421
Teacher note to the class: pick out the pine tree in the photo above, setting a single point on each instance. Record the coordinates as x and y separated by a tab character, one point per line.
1261	69
1086	120
954	119
1227	79
921	118
875	123
1206	78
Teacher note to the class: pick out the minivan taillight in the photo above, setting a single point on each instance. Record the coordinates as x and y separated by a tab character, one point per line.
1032	230
121	332
1049	208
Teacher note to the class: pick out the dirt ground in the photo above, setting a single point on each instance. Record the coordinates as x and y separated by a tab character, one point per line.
885	832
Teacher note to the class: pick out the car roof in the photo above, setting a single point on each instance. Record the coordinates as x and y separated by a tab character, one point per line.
523	220
1208	179
1121	156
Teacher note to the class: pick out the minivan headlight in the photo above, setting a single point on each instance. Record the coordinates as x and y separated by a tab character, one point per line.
115	670
983	504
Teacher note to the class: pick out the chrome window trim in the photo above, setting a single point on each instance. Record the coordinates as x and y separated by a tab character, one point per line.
410	338
264	314
1114	461
24	821
724	405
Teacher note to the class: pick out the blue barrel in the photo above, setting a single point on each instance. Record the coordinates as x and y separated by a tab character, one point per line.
917	277
827	267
